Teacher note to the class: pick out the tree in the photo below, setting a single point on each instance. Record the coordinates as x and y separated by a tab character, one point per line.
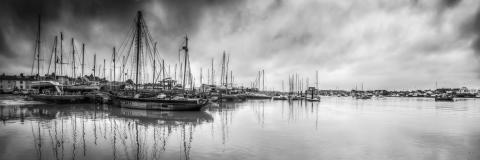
129	81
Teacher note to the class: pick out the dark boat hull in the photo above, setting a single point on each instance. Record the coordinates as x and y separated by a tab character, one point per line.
363	97
232	98
445	99
313	100
60	98
258	97
160	104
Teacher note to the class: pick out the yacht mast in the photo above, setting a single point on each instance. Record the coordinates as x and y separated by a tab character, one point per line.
61	53
94	63
226	70
154	52
114	54
163	69
83	58
139	47
55	61
185	48
104	67
73	57
38	43
212	76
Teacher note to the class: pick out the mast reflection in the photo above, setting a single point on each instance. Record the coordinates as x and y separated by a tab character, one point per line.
131	134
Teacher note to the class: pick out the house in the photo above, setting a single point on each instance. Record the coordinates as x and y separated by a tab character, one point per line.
10	83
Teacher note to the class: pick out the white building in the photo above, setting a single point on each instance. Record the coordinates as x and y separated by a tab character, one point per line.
9	83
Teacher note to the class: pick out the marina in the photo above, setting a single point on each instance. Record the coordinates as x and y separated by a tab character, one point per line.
255	80
165	92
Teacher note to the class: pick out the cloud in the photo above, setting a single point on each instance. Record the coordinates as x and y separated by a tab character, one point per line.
385	44
450	3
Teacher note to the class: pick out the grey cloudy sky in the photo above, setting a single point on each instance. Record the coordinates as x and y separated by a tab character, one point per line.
401	44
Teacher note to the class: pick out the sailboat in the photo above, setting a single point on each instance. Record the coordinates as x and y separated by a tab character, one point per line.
444	97
49	90
363	95
280	97
313	97
162	103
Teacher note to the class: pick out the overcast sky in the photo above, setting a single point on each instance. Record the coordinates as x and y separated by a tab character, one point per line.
400	44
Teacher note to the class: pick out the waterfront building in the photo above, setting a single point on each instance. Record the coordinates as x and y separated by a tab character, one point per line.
10	83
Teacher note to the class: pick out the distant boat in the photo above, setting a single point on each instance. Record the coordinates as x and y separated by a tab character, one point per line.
232	97
363	96
280	97
379	96
294	97
314	99
311	96
445	97
257	96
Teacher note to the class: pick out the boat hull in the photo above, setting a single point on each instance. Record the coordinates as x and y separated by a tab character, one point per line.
313	100
159	104
232	98
445	99
60	98
258	97
363	97
280	98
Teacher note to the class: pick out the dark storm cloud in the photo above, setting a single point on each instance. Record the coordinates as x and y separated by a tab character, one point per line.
475	26
443	6
185	14
4	49
471	29
174	18
347	41
78	18
19	17
182	15
450	3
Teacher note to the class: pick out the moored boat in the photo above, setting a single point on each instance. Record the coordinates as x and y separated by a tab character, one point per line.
49	91
257	96
164	117
59	98
161	102
363	96
294	97
314	99
445	97
280	97
184	104
232	97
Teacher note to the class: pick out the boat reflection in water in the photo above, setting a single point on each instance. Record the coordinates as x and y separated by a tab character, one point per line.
101	132
163	117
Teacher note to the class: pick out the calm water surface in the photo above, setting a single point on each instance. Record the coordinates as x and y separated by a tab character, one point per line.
335	128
